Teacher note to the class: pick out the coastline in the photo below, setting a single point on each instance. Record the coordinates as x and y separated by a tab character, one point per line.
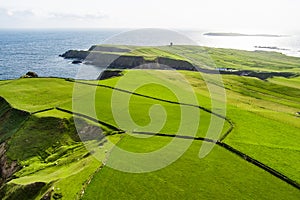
107	58
38	50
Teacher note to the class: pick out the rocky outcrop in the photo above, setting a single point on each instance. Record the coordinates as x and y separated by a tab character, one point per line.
127	62
138	62
176	64
74	54
30	75
7	167
115	61
76	62
100	59
106	74
96	56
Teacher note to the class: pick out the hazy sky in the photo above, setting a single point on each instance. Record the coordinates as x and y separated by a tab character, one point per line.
230	15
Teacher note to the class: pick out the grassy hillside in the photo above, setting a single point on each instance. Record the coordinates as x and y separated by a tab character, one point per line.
48	152
36	94
151	53
237	59
40	142
221	175
10	119
204	57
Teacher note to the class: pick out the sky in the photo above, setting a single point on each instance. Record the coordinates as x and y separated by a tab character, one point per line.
229	15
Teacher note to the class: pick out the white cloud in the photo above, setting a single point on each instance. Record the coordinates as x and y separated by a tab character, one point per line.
14	13
198	14
45	14
9	13
81	16
17	18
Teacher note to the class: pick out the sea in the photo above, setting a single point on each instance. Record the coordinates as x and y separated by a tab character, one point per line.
38	50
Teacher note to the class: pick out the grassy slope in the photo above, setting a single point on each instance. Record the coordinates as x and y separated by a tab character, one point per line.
266	127
46	145
221	175
294	82
260	131
207	57
40	159
139	106
238	59
63	99
238	98
219	58
37	94
150	53
10	120
50	151
263	114
250	106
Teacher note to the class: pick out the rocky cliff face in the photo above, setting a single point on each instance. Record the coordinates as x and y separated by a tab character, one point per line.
115	61
74	54
7	167
106	74
130	62
108	49
176	64
10	120
127	62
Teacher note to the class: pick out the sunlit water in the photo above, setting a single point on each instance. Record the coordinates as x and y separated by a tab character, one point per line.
288	44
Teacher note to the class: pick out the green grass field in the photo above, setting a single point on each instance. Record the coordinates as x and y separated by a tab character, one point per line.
54	161
237	59
221	175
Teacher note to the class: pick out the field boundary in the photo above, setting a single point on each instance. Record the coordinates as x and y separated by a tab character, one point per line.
91	118
236	152
219	143
259	164
167	101
40	111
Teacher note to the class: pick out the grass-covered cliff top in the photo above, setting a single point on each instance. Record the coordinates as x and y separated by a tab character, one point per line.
149	53
205	57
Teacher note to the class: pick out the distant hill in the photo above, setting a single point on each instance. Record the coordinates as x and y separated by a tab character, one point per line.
240	34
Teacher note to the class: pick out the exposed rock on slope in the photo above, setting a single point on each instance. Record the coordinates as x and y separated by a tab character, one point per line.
31	143
75	54
30	75
10	121
115	61
106	74
8	168
176	64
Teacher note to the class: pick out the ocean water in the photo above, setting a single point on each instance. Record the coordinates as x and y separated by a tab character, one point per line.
38	50
27	50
